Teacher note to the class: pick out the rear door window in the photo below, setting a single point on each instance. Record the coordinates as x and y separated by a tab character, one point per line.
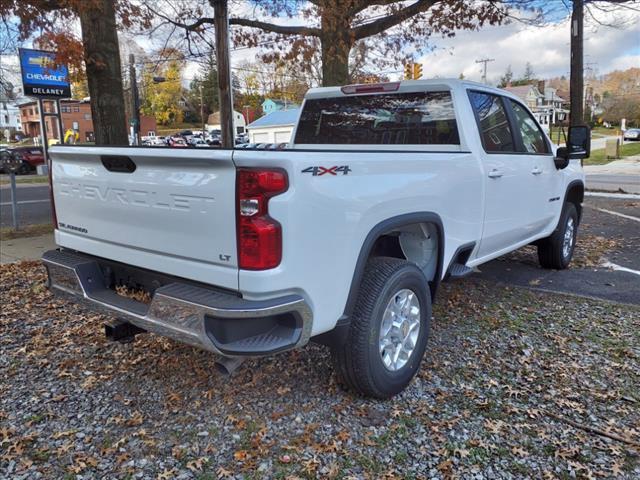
420	118
493	122
533	139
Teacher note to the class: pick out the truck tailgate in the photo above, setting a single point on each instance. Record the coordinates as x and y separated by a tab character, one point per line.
175	212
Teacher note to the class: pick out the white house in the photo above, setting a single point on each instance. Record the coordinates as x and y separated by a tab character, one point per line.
276	127
239	124
9	110
545	103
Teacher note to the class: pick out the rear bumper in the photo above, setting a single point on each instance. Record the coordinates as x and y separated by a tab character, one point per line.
216	321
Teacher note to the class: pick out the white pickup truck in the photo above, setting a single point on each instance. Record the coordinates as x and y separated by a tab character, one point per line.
384	191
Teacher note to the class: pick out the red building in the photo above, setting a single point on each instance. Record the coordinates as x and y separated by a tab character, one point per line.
76	115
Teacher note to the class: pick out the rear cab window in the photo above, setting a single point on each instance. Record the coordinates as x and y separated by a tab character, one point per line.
406	118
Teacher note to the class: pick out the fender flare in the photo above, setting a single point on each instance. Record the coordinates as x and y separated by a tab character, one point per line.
369	241
570	186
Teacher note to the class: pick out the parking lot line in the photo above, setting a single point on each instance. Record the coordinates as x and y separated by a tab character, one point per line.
611	212
7	204
633	196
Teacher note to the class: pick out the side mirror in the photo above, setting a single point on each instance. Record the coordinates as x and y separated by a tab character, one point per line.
562	158
579	142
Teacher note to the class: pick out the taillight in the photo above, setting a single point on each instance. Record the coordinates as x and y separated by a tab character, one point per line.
259	235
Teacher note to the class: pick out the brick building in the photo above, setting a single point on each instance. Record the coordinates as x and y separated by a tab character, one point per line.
76	115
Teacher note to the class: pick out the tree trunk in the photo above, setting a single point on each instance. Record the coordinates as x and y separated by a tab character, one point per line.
104	73
225	91
336	43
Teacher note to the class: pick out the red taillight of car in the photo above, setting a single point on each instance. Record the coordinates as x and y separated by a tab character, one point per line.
259	235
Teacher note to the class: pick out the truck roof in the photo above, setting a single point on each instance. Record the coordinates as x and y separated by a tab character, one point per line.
407	85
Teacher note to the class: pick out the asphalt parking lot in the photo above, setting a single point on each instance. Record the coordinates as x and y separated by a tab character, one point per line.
603	237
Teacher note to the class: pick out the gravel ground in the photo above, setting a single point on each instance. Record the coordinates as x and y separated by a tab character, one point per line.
516	384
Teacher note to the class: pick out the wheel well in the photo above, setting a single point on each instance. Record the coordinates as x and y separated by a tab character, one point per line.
575	195
416	242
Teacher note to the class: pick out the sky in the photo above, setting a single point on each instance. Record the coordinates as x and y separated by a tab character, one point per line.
546	48
514	44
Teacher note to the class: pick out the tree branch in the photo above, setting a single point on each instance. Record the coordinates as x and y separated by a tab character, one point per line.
385	23
271	27
364	4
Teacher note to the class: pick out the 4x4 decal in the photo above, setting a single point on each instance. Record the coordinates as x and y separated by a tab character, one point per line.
319	171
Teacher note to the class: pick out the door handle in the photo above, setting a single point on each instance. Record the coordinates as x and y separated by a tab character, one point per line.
536	171
495	173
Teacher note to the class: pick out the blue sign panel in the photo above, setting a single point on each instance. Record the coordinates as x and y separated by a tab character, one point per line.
41	77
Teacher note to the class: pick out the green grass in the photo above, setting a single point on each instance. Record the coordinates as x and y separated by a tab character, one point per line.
26	179
598	156
607	132
165	130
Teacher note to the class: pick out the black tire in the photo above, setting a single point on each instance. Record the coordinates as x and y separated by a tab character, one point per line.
358	363
551	252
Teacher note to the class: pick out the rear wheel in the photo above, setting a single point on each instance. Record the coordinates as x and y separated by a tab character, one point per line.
556	250
389	329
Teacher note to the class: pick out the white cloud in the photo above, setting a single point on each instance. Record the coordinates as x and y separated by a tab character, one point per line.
546	48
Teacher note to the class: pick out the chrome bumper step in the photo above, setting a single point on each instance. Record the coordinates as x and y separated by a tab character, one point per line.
216	321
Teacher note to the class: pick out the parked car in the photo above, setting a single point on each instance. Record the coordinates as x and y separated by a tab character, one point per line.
632	134
199	143
154	141
4	153
343	238
30	156
178	142
186	134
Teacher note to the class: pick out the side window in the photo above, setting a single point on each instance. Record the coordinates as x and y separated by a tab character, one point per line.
493	122
532	138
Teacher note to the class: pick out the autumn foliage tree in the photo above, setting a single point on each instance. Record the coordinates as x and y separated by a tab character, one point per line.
332	27
96	52
162	98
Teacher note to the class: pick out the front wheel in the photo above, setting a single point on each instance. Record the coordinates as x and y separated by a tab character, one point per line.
389	329
556	250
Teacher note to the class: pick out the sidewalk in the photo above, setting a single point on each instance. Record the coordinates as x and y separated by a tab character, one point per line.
28	248
616	176
627	166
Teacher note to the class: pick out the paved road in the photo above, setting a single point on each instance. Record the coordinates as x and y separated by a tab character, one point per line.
599	220
33	205
609	182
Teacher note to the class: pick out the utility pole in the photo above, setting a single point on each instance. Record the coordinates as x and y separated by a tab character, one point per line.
484	72
576	81
221	19
135	100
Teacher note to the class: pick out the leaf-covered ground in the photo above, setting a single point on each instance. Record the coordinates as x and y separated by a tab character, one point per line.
516	384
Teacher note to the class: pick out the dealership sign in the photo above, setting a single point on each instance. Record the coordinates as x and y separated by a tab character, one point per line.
41	77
